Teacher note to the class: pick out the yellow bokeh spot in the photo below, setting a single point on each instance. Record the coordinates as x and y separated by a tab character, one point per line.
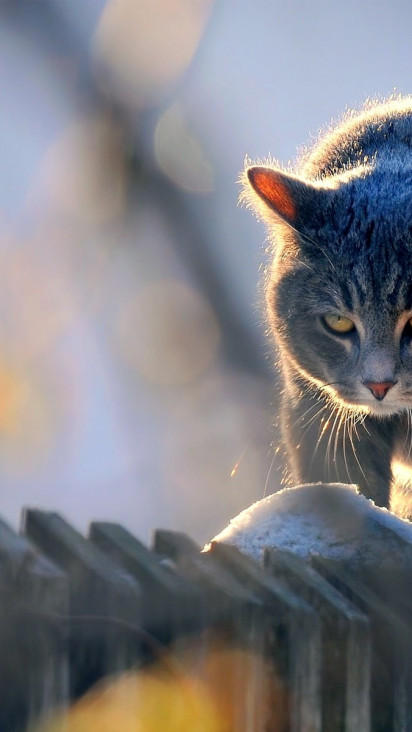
13	397
145	702
27	426
208	687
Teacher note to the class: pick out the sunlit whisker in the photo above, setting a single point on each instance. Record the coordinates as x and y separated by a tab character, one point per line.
325	426
355	422
341	416
272	462
409	413
302	416
312	419
344	447
353	426
362	423
316	244
408	427
322	432
333	430
327	451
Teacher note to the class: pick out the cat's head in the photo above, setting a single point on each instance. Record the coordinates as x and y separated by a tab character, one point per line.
339	289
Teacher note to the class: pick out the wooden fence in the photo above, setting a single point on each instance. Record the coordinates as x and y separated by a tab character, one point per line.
75	610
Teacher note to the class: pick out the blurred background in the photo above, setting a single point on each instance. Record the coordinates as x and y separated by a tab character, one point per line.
136	383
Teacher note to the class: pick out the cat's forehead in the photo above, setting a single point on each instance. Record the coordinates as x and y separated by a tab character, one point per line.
364	282
370	213
366	254
379	288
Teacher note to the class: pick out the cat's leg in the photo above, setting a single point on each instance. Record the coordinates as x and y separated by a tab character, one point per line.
401	492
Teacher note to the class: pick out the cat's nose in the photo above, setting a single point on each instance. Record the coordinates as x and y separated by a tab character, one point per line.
379	389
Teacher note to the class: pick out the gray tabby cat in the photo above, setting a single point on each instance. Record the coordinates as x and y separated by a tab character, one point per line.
339	298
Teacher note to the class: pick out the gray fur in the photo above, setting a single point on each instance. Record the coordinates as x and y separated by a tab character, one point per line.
346	249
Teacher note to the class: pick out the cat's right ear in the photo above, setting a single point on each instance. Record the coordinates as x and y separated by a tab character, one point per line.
289	198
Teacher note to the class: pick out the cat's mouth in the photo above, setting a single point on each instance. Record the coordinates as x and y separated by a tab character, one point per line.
390	399
363	402
373	408
384	410
389	406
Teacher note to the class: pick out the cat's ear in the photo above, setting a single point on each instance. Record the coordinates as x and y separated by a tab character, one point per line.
290	198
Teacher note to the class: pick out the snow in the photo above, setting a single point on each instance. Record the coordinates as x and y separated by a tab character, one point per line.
332	520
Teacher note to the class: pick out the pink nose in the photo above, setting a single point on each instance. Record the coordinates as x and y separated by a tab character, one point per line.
379	389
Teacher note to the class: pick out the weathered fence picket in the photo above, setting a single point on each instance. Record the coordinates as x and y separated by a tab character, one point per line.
104	600
321	648
33	646
171	606
391	697
345	643
237	621
292	643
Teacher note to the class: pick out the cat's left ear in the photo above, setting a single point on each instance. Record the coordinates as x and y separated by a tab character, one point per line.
291	199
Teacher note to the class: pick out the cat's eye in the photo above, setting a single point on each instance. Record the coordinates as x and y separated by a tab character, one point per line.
339	324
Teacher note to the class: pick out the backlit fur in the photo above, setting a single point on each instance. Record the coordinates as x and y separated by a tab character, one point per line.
348	251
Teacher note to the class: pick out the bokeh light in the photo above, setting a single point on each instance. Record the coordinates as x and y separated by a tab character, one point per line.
83	174
187	692
145	702
132	377
142	48
29	414
180	154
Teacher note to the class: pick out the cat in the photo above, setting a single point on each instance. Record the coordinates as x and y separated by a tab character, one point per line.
339	301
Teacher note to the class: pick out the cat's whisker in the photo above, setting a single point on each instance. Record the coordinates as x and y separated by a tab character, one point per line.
327	451
334	431
352	425
314	416
409	430
410	436
315	244
272	462
305	264
359	418
257	433
312	419
302	416
325	426
338	429
322	432
334	414
345	423
338	423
